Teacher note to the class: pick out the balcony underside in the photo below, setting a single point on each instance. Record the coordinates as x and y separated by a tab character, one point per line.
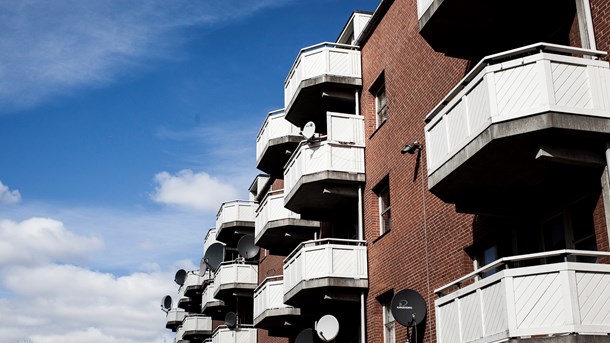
276	154
196	335
324	195
316	96
521	165
173	324
215	309
475	28
193	291
274	321
231	232
229	291
280	237
308	292
190	304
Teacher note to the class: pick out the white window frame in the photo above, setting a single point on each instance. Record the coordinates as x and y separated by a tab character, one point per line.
389	323
381	111
382	225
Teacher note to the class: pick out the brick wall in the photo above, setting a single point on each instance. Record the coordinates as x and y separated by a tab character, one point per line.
425	247
600	12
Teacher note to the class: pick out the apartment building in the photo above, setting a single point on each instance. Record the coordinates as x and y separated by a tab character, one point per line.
457	149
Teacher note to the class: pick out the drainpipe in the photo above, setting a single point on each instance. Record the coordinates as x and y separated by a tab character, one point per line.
361	237
606	189
362	297
585	24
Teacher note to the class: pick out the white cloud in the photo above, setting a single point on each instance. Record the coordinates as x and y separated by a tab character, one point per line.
41	240
192	190
56	47
49	301
7	196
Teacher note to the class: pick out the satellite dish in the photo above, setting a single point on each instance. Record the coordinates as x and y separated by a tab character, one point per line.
180	277
327	328
166	303
246	247
309	130
231	320
214	256
202	267
408	307
305	336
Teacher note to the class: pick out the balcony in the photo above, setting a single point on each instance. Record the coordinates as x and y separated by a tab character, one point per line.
325	269
475	28
538	301
210	238
241	334
275	142
234	278
522	122
197	327
323	78
278	229
174	318
270	312
322	176
194	283
179	334
210	305
234	219
188	303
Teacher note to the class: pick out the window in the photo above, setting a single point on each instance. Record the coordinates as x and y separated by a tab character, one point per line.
377	89
383	194
389	324
381	105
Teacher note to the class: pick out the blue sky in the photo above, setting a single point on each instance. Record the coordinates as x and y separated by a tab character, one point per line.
123	126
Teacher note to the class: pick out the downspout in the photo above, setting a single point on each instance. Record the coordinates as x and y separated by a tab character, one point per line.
585	24
606	190
361	238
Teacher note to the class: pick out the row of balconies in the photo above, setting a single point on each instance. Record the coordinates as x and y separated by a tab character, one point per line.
198	328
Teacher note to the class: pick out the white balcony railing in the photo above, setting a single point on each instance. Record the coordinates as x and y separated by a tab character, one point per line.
193	280
207	297
322	59
422	7
269	295
341	151
237	210
179	334
175	315
531	80
275	126
235	273
196	324
325	258
551	299
242	334
210	238
271	209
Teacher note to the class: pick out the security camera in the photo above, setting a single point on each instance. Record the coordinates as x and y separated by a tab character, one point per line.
411	147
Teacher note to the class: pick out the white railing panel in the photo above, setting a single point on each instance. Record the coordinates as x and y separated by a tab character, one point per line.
422	7
541	300
275	126
346	128
271	209
210	238
237	210
193	279
323	156
197	323
222	334
322	59
236	273
208	295
269	295
498	90
322	258
175	315
593	298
